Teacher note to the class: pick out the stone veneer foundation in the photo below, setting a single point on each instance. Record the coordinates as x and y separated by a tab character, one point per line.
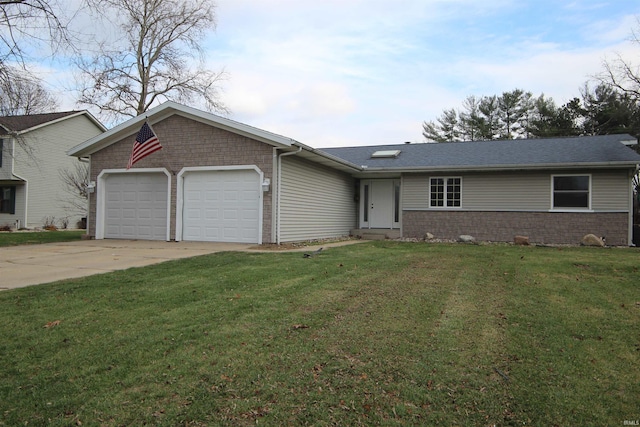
540	227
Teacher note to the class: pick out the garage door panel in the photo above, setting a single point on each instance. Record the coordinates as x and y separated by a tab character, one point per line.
227	203
136	206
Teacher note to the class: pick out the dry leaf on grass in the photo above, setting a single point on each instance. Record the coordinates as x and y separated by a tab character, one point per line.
52	324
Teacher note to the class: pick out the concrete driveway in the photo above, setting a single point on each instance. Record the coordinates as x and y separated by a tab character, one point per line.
34	264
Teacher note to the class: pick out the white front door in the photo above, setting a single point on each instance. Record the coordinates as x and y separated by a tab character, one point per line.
379	203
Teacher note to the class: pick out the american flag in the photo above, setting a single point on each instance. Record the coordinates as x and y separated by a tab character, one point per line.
146	143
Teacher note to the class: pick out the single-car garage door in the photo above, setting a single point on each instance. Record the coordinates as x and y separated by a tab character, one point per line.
136	206
222	206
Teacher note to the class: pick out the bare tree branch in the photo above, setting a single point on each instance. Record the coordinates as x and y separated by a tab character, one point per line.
21	94
622	74
159	58
75	185
29	23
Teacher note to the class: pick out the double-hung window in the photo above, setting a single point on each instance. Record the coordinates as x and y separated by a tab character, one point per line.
445	192
571	191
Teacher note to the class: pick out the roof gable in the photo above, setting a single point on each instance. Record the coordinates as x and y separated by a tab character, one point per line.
29	122
167	109
499	154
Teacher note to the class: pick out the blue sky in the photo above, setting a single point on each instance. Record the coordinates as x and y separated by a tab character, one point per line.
359	72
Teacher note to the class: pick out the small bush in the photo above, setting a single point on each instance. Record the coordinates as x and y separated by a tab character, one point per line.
49	223
5	227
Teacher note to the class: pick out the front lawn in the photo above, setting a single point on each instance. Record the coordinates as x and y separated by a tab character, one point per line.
38	237
380	333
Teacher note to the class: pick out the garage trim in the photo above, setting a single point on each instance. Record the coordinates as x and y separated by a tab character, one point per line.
180	193
101	196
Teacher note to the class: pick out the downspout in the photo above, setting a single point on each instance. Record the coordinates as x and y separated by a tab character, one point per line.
631	208
279	188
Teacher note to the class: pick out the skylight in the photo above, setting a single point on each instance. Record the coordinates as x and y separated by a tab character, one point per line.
385	154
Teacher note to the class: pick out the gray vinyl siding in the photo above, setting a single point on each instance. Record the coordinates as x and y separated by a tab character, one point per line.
316	202
518	191
415	192
610	191
523	192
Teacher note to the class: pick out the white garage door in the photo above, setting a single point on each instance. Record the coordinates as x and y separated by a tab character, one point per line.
136	206
222	206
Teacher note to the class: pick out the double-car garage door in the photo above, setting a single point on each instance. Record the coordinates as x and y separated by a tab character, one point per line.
217	206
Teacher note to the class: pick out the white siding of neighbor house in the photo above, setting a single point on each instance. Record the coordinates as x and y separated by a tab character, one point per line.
315	202
42	166
518	191
5	167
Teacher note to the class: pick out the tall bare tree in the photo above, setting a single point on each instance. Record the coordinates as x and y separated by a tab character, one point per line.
159	57
21	94
621	73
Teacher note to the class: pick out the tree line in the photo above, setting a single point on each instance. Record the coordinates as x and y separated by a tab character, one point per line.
599	110
609	104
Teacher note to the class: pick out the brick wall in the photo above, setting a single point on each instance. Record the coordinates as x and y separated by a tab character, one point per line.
540	227
186	142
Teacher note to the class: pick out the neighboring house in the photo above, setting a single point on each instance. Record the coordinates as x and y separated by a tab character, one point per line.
219	180
32	155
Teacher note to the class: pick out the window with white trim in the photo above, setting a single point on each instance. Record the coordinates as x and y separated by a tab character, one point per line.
571	191
445	192
8	200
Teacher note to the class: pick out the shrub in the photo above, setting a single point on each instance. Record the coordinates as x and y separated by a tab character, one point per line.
49	223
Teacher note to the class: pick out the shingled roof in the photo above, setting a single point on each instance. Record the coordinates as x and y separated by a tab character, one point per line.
602	150
22	123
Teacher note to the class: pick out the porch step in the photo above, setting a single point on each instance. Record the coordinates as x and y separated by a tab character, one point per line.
375	233
371	236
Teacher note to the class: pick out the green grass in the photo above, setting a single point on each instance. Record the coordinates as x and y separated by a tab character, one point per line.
380	333
39	237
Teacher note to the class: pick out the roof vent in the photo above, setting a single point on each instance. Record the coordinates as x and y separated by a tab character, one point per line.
385	154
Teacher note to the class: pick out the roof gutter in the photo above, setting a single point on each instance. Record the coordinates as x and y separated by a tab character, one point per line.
499	168
331	157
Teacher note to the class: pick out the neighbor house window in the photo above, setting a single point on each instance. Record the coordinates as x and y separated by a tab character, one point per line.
8	200
571	191
445	192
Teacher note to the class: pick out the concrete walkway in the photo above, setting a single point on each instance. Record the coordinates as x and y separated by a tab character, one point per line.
35	264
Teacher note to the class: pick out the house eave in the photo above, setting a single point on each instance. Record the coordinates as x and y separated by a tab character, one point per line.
62	119
165	110
321	157
503	168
